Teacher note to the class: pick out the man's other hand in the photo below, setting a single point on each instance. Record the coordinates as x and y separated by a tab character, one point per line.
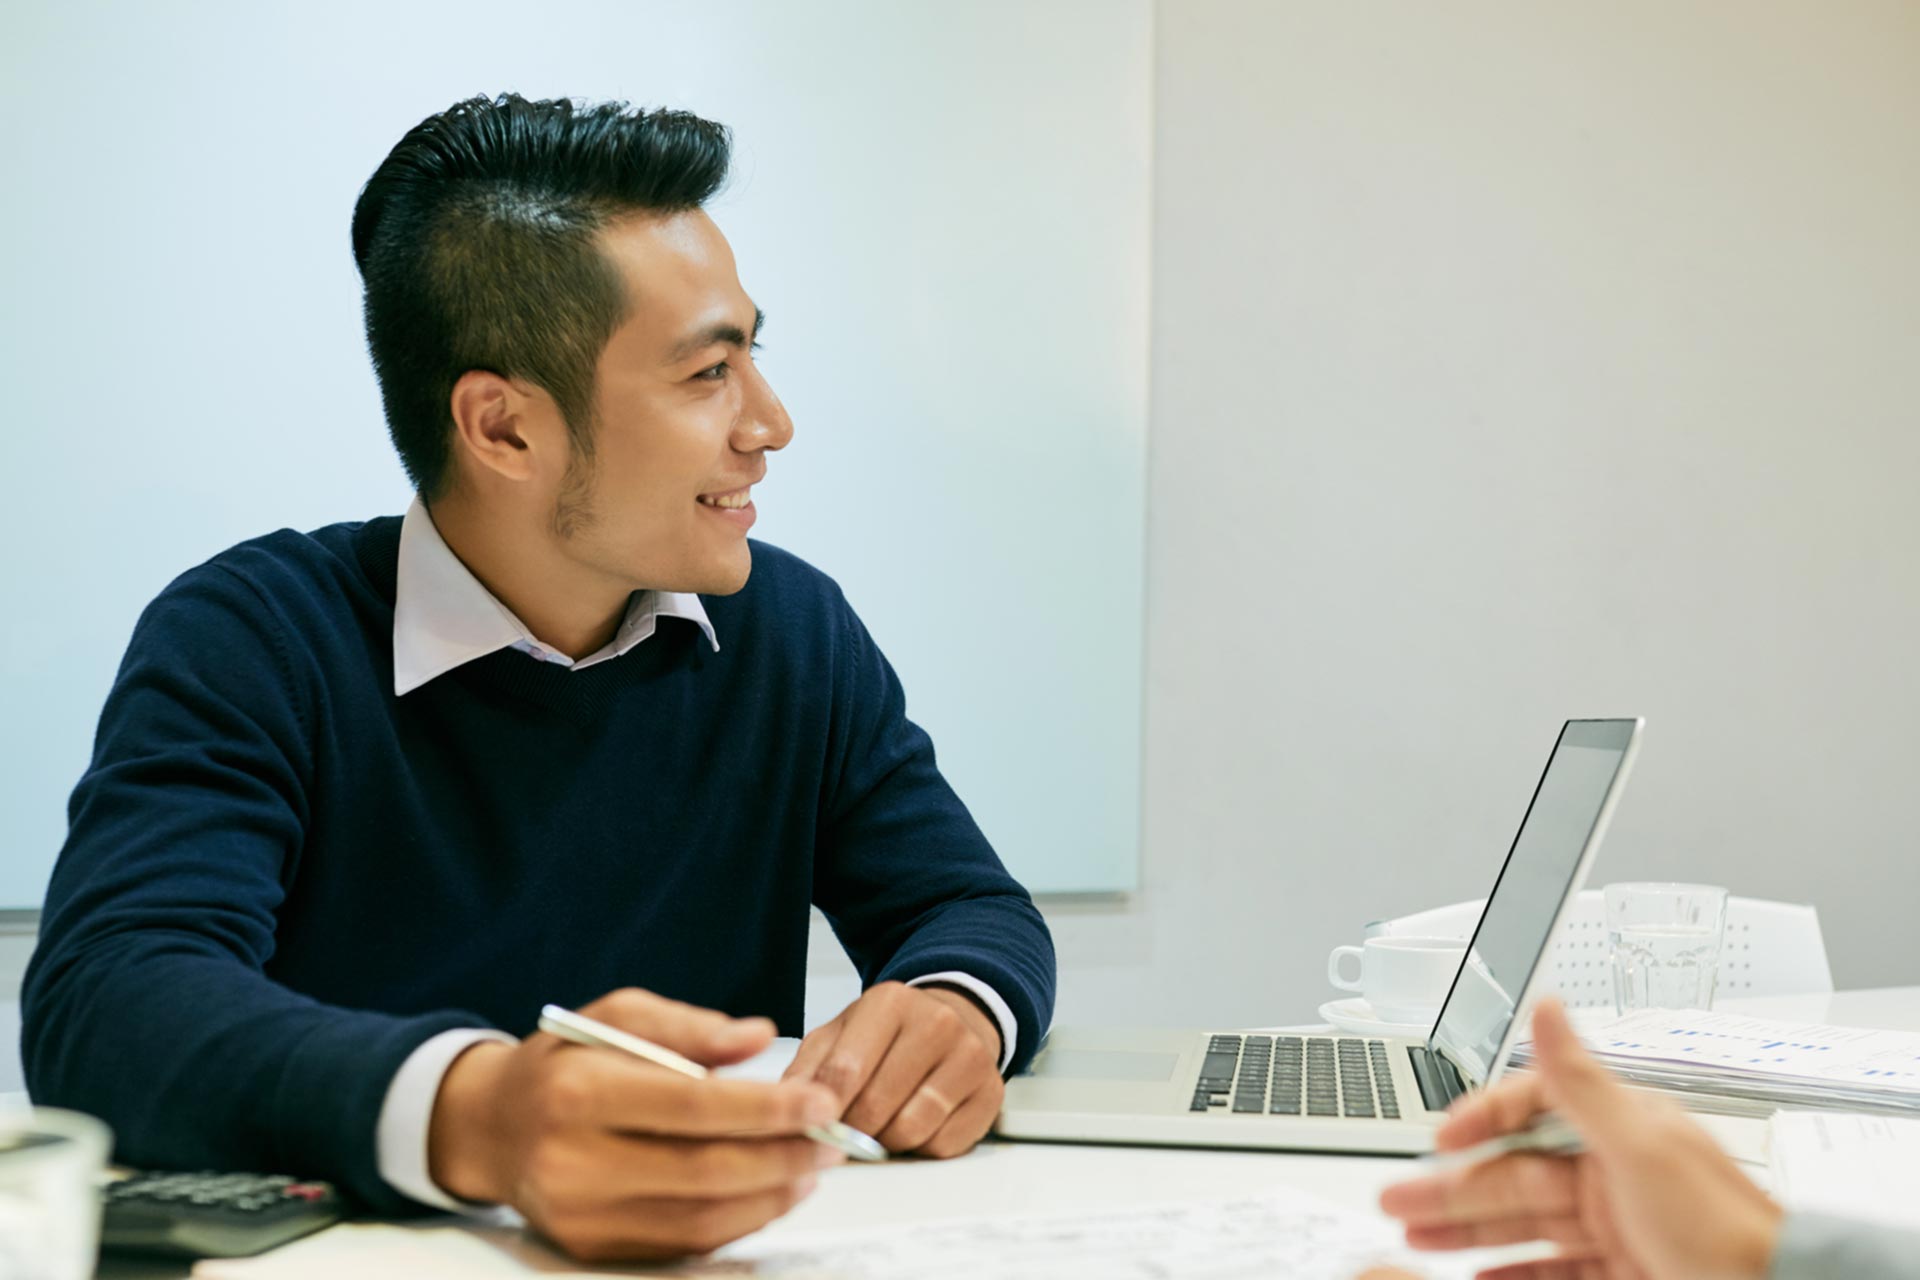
916	1067
611	1157
1652	1197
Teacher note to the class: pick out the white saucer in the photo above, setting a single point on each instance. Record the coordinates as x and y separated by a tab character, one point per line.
1357	1016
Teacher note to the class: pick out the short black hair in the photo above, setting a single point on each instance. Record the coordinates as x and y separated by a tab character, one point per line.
476	241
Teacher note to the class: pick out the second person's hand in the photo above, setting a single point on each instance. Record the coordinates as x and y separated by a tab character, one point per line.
1653	1197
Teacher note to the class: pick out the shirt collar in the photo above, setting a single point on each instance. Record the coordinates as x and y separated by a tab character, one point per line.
443	617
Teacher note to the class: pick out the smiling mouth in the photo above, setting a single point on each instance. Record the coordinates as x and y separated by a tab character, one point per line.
728	501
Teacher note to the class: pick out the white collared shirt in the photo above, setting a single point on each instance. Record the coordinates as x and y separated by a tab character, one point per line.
444	617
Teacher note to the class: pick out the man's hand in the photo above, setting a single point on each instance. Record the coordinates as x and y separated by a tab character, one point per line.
611	1157
916	1067
1652	1197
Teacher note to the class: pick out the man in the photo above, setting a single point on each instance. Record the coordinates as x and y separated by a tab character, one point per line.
1653	1197
363	799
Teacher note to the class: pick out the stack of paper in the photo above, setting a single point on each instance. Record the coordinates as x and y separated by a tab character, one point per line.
1753	1066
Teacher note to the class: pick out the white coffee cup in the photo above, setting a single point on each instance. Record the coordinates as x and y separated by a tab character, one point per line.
50	1165
1405	979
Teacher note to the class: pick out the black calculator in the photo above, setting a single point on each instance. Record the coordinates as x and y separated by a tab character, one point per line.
212	1215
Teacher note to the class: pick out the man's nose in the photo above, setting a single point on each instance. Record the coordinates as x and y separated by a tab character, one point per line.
763	420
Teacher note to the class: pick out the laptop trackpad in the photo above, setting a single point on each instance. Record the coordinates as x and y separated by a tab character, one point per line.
1107	1064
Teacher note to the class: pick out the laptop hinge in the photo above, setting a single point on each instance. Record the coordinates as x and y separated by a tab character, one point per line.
1439	1082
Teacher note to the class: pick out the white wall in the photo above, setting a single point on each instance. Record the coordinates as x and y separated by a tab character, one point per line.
16	944
1511	362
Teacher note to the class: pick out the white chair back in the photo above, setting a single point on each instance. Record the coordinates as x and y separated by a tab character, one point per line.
1770	948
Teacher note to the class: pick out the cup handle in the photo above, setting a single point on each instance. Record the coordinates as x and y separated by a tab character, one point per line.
1333	968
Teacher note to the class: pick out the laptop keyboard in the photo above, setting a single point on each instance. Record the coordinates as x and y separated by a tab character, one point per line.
1296	1075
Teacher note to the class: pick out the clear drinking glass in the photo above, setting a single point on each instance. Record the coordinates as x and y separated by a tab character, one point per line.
1666	944
50	1167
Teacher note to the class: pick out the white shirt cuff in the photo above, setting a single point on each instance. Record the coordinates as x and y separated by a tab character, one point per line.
400	1138
990	998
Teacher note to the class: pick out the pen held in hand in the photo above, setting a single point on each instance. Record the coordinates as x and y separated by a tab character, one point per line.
580	1029
1552	1136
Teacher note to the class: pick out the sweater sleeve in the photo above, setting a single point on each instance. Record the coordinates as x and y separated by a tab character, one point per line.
147	1001
1816	1246
903	873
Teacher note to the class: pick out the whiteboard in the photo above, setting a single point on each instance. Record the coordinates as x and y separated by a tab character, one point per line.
943	209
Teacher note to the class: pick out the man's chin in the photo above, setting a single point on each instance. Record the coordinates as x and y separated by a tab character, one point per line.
723	579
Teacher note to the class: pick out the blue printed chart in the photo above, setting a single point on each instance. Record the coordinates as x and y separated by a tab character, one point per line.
1718	1045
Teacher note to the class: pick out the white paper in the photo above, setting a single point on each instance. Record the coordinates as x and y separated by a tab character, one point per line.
767	1065
1276	1233
1763	1047
1859	1166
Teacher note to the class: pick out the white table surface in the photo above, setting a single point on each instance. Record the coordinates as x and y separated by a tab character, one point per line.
1006	1178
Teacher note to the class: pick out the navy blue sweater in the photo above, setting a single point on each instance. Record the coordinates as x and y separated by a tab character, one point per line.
279	879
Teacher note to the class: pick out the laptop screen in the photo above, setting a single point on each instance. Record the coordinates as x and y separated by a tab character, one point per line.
1539	874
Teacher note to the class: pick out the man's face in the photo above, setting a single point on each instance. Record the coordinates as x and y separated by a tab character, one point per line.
685	419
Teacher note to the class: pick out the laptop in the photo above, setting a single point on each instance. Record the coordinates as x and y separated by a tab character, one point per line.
1340	1092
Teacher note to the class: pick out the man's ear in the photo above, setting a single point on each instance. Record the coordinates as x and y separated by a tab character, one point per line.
493	421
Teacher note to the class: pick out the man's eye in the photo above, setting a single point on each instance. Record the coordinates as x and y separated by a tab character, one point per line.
718	373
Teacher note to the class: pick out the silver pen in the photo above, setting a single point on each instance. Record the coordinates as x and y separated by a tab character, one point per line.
1549	1136
581	1029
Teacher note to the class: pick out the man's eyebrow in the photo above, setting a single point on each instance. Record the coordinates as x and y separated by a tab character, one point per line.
723	334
